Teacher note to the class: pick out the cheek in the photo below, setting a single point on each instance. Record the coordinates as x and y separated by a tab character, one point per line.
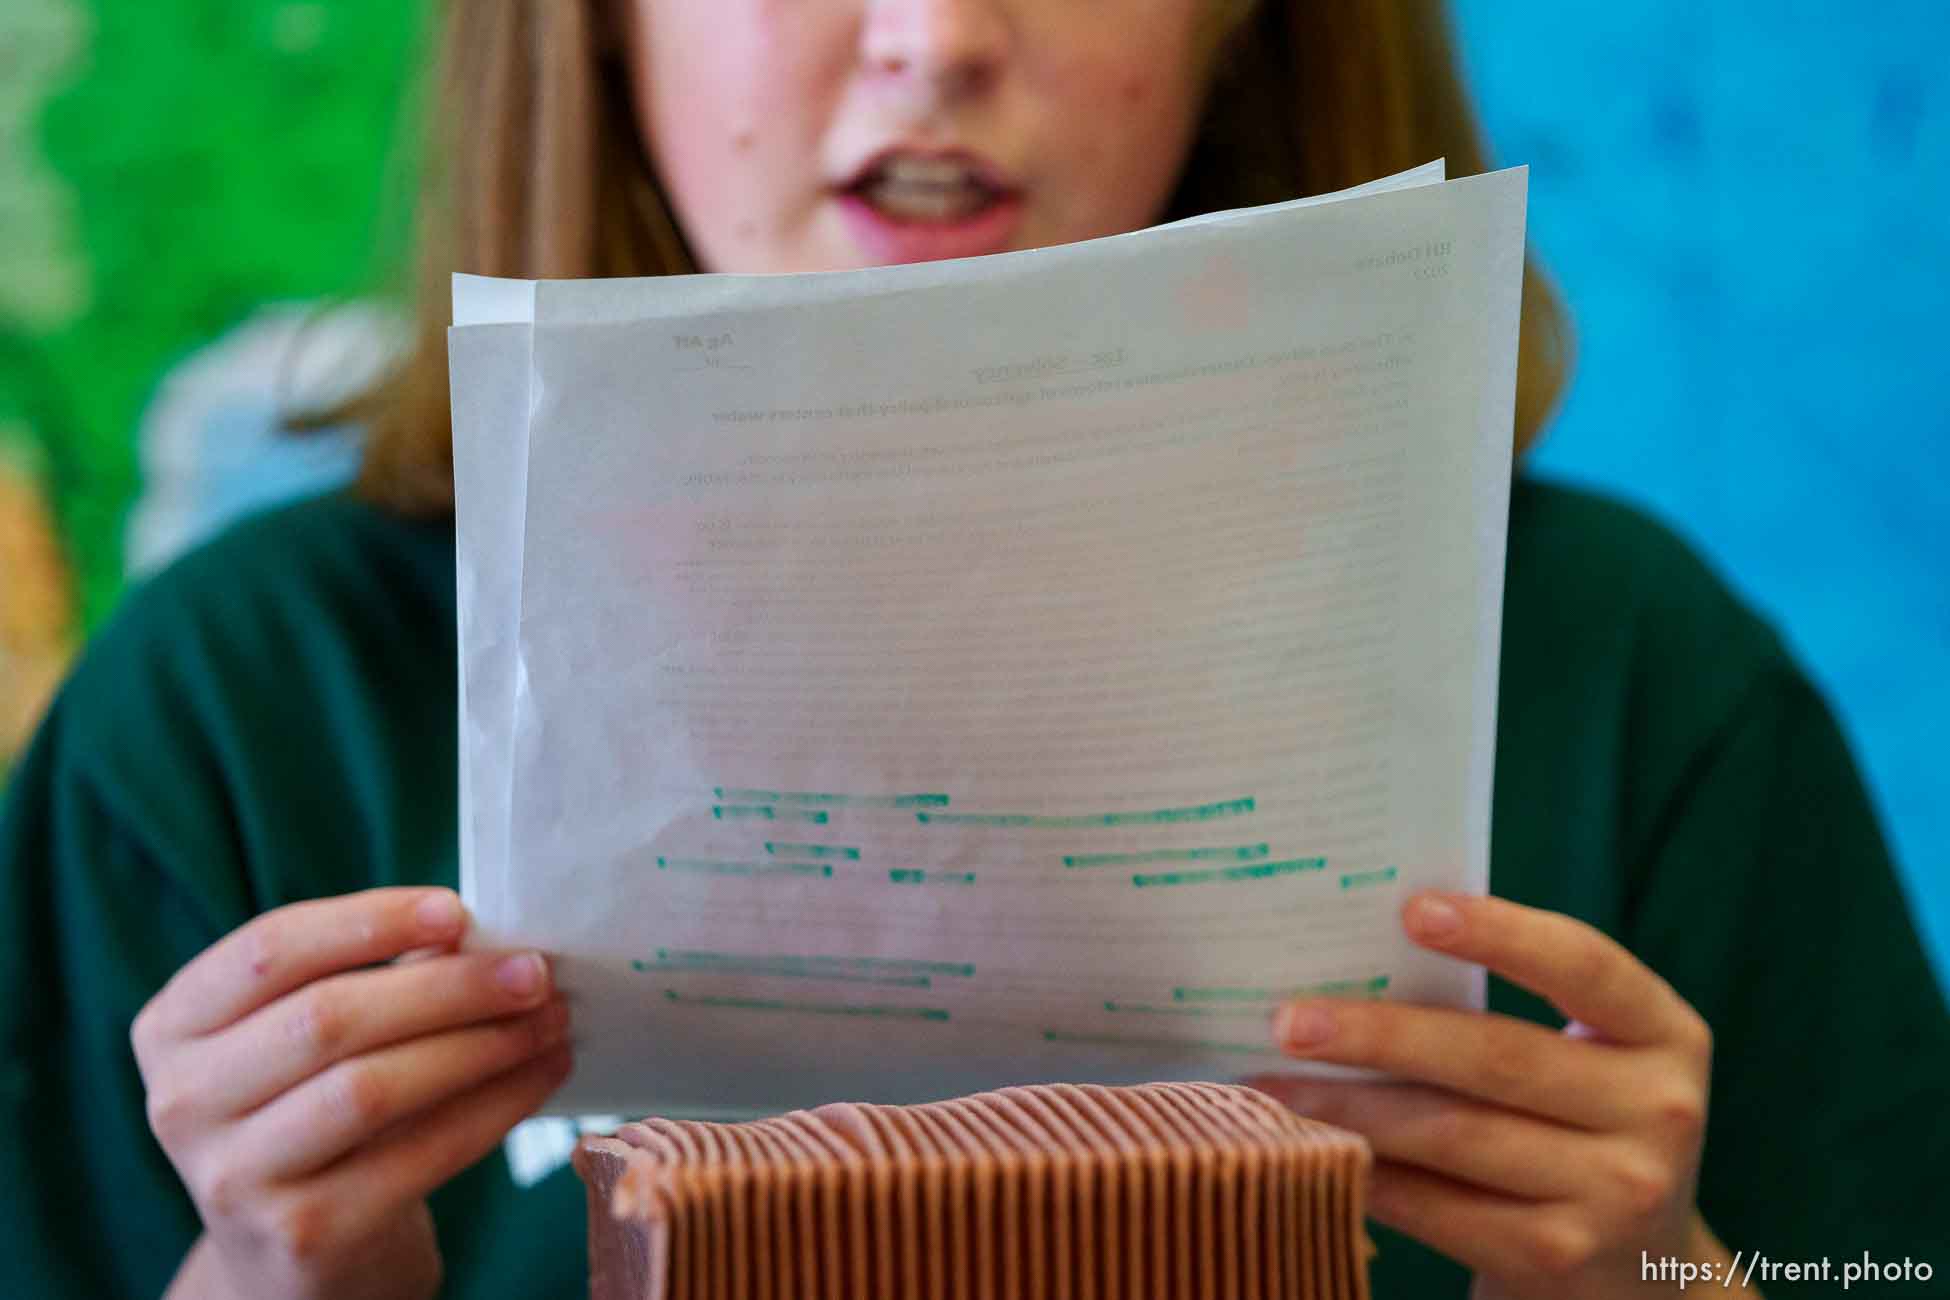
687	88
735	102
1125	128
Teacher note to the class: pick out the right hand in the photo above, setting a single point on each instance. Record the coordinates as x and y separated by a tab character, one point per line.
311	1088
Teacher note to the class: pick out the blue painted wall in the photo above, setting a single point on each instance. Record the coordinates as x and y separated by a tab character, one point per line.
1747	204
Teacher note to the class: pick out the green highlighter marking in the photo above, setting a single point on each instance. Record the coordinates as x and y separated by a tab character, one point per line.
813	851
1221	993
913	876
1356	879
1153	1009
702	957
1233	853
1153	817
831	800
766	812
1142	1040
1258	871
722	867
1370	987
1330	988
876	1010
790	972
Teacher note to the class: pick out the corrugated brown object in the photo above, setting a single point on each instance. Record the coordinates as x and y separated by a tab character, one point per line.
1181	1191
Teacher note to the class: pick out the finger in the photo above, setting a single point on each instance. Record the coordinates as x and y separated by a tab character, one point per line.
331	1114
1579	969
344	1016
281	950
427	953
1494	1058
1499	1150
1501	1236
415	1158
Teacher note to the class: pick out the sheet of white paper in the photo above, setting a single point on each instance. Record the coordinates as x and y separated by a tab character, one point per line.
488	368
491	450
936	677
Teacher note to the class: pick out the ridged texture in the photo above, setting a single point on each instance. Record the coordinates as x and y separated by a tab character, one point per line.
1178	1191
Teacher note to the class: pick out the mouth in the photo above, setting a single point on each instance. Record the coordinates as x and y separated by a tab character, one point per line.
912	185
906	205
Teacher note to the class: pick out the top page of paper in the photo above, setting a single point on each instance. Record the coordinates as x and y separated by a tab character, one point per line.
890	684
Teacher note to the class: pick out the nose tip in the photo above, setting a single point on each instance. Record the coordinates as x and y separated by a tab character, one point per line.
949	48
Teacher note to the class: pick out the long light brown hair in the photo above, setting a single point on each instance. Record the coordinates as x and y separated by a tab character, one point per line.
533	166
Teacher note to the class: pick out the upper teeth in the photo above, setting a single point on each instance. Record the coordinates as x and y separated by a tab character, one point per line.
908	170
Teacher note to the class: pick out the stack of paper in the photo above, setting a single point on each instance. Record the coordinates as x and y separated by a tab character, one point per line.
1168	1190
886	685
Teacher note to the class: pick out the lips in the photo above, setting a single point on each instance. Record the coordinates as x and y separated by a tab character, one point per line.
917	229
980	169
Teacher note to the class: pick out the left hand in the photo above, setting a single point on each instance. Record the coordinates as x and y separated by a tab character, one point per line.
1545	1161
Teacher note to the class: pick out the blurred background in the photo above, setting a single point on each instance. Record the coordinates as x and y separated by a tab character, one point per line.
202	202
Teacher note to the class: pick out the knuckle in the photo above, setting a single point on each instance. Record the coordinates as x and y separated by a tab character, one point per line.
1558	1248
222	1192
1641	1186
359	1097
1681	1113
1699	1036
299	1228
1507	1070
321	1025
142	1032
1450	1133
170	1112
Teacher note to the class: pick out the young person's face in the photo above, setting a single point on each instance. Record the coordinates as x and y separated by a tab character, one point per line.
1014	123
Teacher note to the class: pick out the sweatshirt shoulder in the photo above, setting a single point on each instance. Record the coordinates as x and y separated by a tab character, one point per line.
288	570
1597	569
247	635
297	562
1624	645
1578	533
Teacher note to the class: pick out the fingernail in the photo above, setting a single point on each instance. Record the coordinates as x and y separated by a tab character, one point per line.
438	913
1434	918
520	975
1304	1026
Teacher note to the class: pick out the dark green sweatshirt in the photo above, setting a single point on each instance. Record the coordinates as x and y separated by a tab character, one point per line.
273	719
